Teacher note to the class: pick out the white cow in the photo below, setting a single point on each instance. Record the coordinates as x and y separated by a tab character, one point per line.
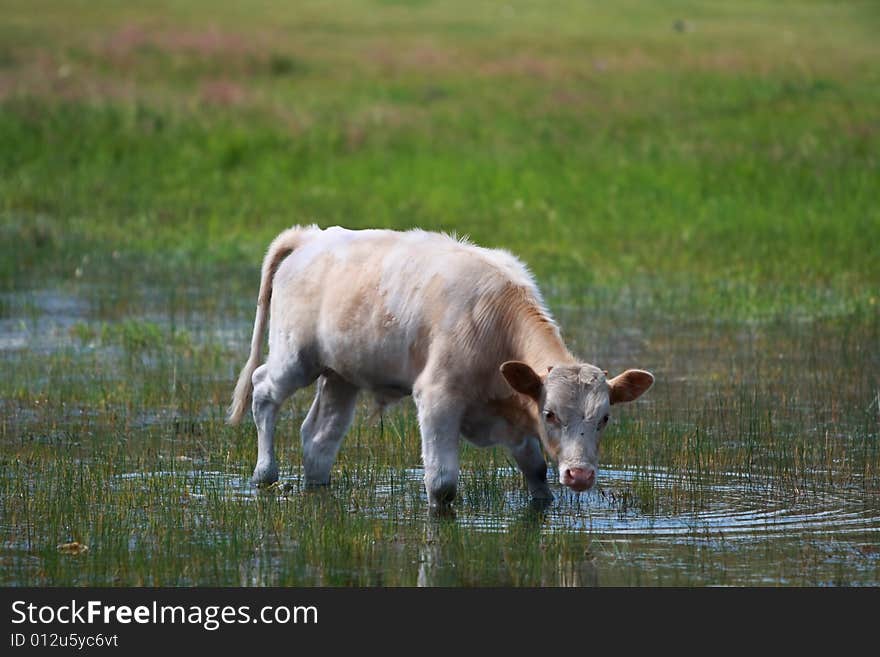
463	329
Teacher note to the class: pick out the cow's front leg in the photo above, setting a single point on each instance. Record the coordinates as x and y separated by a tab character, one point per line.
531	461
440	426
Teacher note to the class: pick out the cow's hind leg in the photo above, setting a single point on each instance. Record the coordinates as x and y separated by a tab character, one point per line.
440	425
325	426
531	462
274	382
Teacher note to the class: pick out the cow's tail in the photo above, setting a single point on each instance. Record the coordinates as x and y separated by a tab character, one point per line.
281	247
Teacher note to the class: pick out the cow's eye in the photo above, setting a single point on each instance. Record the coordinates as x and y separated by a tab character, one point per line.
550	416
603	421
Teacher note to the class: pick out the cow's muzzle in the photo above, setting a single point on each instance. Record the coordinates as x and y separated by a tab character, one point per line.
578	479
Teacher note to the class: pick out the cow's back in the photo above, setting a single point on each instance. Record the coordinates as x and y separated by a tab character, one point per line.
380	306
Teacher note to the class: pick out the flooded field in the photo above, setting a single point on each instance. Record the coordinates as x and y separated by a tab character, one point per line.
693	184
752	461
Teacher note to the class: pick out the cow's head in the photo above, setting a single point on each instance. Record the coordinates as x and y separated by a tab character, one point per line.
574	404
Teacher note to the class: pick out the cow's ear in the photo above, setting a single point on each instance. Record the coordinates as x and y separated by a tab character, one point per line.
522	378
630	385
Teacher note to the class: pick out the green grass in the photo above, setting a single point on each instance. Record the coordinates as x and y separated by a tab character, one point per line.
696	186
734	163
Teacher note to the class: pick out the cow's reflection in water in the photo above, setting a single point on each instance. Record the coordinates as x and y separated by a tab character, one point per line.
437	567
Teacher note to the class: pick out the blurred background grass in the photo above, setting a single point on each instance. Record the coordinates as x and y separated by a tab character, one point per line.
715	157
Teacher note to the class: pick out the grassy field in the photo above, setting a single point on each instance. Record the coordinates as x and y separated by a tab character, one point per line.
733	160
695	184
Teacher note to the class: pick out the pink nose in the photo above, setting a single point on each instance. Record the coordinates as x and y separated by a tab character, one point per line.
579	479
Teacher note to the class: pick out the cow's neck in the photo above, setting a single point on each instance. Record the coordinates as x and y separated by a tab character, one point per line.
539	345
534	340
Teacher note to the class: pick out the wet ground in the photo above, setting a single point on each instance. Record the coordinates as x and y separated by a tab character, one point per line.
753	460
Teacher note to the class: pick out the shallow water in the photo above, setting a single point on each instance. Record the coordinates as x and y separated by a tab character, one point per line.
734	510
753	460
741	528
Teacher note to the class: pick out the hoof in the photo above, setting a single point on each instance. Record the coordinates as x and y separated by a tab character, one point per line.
543	493
540	504
265	475
441	512
441	496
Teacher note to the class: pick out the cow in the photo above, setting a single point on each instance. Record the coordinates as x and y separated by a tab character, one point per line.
461	328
